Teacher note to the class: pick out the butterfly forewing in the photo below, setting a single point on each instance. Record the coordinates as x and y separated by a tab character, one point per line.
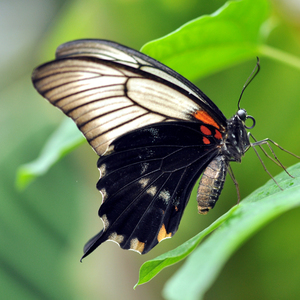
98	95
112	51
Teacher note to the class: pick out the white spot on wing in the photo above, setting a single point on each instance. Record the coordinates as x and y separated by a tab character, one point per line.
152	190
104	194
105	222
102	170
154	132
143	182
144	167
165	196
118	238
109	150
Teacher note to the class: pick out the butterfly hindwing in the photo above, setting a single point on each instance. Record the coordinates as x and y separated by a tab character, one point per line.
149	174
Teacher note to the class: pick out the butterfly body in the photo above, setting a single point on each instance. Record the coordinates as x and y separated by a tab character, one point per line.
233	146
155	133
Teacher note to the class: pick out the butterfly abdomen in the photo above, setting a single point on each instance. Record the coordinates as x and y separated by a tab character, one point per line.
211	184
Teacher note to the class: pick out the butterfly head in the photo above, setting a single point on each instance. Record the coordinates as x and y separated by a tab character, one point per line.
243	116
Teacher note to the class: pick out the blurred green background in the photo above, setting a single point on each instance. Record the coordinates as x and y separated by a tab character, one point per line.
44	227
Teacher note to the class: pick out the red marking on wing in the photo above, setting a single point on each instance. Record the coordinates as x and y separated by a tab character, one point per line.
206	141
205	118
205	130
218	135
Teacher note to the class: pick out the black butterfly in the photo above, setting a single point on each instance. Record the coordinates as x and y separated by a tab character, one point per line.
155	133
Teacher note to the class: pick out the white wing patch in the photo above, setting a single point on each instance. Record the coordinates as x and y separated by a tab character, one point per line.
109	51
159	97
165	196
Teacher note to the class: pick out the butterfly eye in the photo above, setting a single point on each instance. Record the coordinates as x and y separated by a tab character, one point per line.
242	114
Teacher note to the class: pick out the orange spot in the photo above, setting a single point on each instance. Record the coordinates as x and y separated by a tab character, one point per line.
205	130
205	118
206	141
163	233
218	135
136	245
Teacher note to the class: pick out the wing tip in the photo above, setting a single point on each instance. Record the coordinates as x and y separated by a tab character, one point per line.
92	244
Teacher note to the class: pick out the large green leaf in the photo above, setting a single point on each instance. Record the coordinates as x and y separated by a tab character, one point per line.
210	43
236	226
152	267
44	227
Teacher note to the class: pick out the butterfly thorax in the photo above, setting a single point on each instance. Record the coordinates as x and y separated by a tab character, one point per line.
236	141
235	144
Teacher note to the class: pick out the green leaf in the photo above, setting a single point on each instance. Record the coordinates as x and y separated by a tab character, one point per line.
63	140
279	55
213	42
152	267
205	263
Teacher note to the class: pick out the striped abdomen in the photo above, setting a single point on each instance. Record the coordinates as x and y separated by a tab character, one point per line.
211	184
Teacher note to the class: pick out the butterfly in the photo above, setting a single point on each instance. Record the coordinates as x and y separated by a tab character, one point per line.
155	133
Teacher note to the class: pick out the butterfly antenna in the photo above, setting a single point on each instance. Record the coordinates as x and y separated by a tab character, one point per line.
250	78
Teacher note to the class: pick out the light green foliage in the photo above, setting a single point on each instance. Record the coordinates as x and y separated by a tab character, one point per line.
41	223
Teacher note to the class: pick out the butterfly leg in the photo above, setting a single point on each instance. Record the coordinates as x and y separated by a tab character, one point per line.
235	182
264	151
267	141
264	166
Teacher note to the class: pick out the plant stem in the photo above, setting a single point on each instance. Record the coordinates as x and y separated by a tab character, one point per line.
281	56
